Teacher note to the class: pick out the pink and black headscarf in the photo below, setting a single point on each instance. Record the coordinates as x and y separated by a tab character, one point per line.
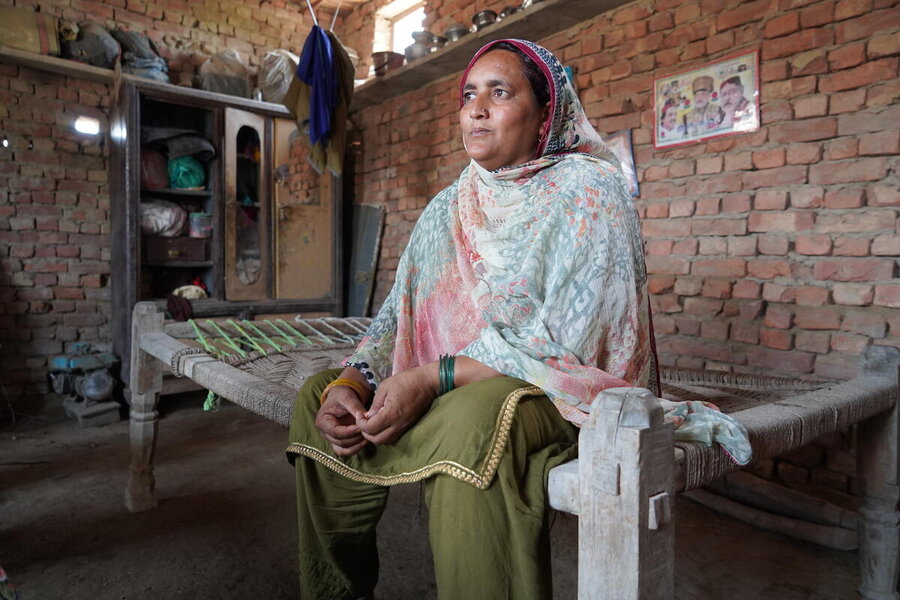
568	129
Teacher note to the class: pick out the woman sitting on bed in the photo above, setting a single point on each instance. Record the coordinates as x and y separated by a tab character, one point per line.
521	295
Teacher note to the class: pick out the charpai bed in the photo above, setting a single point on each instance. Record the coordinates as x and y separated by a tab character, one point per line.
629	466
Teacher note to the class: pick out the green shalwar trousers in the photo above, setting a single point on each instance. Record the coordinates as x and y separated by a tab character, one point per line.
483	451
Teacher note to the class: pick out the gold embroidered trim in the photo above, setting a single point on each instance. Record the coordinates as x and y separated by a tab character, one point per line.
480	478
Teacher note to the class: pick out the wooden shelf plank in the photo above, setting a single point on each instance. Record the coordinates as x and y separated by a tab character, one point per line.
535	23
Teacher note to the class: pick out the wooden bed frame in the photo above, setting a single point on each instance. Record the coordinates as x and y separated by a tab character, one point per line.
629	467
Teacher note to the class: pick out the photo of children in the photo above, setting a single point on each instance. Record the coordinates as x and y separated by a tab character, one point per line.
718	99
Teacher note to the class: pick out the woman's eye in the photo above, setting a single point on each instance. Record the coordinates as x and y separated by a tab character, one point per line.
500	93
467	96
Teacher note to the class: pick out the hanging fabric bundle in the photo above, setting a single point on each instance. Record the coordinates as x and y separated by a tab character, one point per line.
319	98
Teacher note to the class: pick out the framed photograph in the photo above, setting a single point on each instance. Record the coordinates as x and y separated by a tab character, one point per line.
620	143
721	98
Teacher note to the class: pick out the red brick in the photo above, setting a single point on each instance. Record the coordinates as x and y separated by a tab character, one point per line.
665	303
810	295
702	306
773	292
846	57
659	284
719	227
768	159
663	324
688	286
738	161
853	294
786	89
786	221
745	332
845	198
850	246
803	154
782	25
780	361
776	338
685	248
840	148
780	176
734	267
887	295
804	131
745	288
667	265
851	269
883	69
809	39
709	165
852	222
864	321
770	200
811	106
713	246
715	330
817	318
849	342
681	208
868	121
845	9
813	245
849	101
658	247
773	245
813	341
836	365
811	62
863	169
883	195
768	269
742	246
885	142
886	245
657	210
717	288
665	228
883	45
865	26
707	207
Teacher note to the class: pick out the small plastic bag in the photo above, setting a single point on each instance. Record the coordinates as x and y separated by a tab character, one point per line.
275	74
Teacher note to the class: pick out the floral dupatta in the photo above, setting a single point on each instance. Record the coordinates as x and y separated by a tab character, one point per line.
535	270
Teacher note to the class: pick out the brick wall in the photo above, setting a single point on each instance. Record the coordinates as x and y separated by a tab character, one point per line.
772	252
54	196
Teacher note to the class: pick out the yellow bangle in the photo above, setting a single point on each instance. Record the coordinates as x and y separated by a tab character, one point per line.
356	386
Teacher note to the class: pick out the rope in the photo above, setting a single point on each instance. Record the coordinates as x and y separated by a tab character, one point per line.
268	340
175	363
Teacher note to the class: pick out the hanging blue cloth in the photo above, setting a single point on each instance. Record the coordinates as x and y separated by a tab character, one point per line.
316	69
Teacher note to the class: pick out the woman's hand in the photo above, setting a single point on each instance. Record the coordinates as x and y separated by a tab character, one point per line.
399	403
337	421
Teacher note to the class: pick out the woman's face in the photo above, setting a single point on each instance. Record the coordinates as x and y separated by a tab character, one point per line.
500	118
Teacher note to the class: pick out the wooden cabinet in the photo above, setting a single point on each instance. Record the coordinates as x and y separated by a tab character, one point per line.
262	251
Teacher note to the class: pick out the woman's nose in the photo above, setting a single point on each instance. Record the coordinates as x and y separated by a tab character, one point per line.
477	108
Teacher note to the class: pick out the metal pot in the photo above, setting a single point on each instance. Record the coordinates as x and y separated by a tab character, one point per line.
483	19
455	32
438	42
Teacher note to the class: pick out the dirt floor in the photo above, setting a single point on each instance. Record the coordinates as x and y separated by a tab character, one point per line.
224	527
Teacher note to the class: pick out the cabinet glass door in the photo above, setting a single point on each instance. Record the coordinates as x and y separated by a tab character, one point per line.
247	242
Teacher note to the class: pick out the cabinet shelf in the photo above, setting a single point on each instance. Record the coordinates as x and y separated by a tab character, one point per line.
535	23
180	264
177	192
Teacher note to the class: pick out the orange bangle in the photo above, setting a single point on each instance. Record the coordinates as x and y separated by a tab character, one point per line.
356	386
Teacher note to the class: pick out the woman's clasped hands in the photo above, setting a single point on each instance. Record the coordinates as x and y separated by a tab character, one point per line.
398	404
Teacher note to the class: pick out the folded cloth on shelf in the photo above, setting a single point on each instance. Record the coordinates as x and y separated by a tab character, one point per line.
179	142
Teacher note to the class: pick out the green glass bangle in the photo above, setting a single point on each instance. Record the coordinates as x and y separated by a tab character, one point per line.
446	373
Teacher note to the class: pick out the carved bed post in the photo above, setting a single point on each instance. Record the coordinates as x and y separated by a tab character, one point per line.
879	527
626	537
145	386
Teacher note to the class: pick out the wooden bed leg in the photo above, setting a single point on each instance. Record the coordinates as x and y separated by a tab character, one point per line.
145	384
879	526
625	532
